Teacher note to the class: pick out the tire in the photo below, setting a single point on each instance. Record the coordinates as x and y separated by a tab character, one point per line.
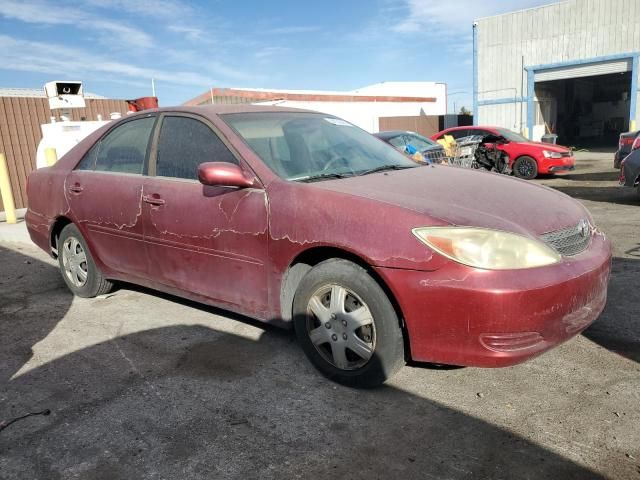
328	328
525	168
77	266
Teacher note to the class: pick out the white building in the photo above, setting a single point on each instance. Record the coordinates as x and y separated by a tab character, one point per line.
570	68
363	107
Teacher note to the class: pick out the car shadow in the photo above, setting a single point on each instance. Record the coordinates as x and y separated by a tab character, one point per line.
21	325
611	176
613	194
190	401
618	326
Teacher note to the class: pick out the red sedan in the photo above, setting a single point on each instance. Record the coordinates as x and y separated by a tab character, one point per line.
303	220
527	159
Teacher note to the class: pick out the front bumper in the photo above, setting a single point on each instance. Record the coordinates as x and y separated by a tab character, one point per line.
556	165
463	316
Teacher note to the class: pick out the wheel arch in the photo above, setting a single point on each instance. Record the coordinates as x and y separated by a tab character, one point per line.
57	227
309	258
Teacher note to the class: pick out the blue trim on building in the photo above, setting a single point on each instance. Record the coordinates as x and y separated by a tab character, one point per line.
571	63
475	74
531	85
634	91
501	101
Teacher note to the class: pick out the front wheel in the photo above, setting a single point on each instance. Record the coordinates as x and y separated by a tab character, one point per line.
525	168
347	326
78	269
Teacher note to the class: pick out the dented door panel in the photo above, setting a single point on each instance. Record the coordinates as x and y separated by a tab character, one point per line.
107	209
211	241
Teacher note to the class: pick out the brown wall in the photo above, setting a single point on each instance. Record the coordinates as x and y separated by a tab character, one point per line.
20	133
424	125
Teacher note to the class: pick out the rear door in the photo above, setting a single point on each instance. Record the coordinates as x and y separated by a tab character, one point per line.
211	241
104	194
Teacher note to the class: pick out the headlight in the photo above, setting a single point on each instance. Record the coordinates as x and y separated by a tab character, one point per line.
488	249
549	154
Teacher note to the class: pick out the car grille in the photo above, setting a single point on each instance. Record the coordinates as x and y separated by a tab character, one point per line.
569	241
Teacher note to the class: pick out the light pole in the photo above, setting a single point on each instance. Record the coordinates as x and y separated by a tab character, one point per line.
461	92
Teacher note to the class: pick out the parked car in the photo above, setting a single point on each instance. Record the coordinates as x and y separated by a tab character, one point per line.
410	142
527	159
630	167
301	219
624	147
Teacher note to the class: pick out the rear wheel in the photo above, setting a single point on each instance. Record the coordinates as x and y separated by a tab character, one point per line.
525	168
347	326
78	269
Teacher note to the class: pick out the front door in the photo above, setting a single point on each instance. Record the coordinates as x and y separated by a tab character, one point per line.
104	193
211	241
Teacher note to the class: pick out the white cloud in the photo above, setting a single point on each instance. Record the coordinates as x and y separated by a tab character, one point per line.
166	9
52	59
268	52
38	12
431	16
192	34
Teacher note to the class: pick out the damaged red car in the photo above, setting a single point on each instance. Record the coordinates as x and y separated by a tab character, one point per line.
303	220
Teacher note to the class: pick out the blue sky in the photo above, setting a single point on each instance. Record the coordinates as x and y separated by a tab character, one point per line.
117	46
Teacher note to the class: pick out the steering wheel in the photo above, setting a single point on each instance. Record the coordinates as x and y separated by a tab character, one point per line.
335	158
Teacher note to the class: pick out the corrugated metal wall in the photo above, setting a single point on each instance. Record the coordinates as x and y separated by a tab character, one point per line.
20	119
561	32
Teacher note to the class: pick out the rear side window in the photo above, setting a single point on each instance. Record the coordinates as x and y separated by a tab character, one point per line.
185	143
124	148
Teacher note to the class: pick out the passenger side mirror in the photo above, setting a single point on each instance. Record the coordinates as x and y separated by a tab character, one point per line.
223	174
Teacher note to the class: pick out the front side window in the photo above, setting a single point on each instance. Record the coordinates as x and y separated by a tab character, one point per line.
185	143
124	149
306	146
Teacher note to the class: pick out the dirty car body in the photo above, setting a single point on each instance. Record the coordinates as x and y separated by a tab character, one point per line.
250	246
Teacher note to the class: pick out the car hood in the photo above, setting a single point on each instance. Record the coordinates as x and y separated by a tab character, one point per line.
546	146
457	196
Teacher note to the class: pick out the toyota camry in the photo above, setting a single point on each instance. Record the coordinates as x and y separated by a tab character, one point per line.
302	220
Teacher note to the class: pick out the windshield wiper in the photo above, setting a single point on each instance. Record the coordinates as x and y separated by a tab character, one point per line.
383	168
321	176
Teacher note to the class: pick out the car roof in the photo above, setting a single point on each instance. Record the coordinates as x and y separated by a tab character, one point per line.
214	110
467	127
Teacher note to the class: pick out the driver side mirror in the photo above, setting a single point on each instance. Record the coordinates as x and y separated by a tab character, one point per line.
223	174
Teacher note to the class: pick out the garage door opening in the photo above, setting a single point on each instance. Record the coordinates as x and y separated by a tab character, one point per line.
585	112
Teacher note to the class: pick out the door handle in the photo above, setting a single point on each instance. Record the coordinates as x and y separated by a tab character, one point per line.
75	188
152	200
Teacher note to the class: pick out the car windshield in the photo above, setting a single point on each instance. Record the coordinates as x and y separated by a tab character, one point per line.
307	146
420	142
511	136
